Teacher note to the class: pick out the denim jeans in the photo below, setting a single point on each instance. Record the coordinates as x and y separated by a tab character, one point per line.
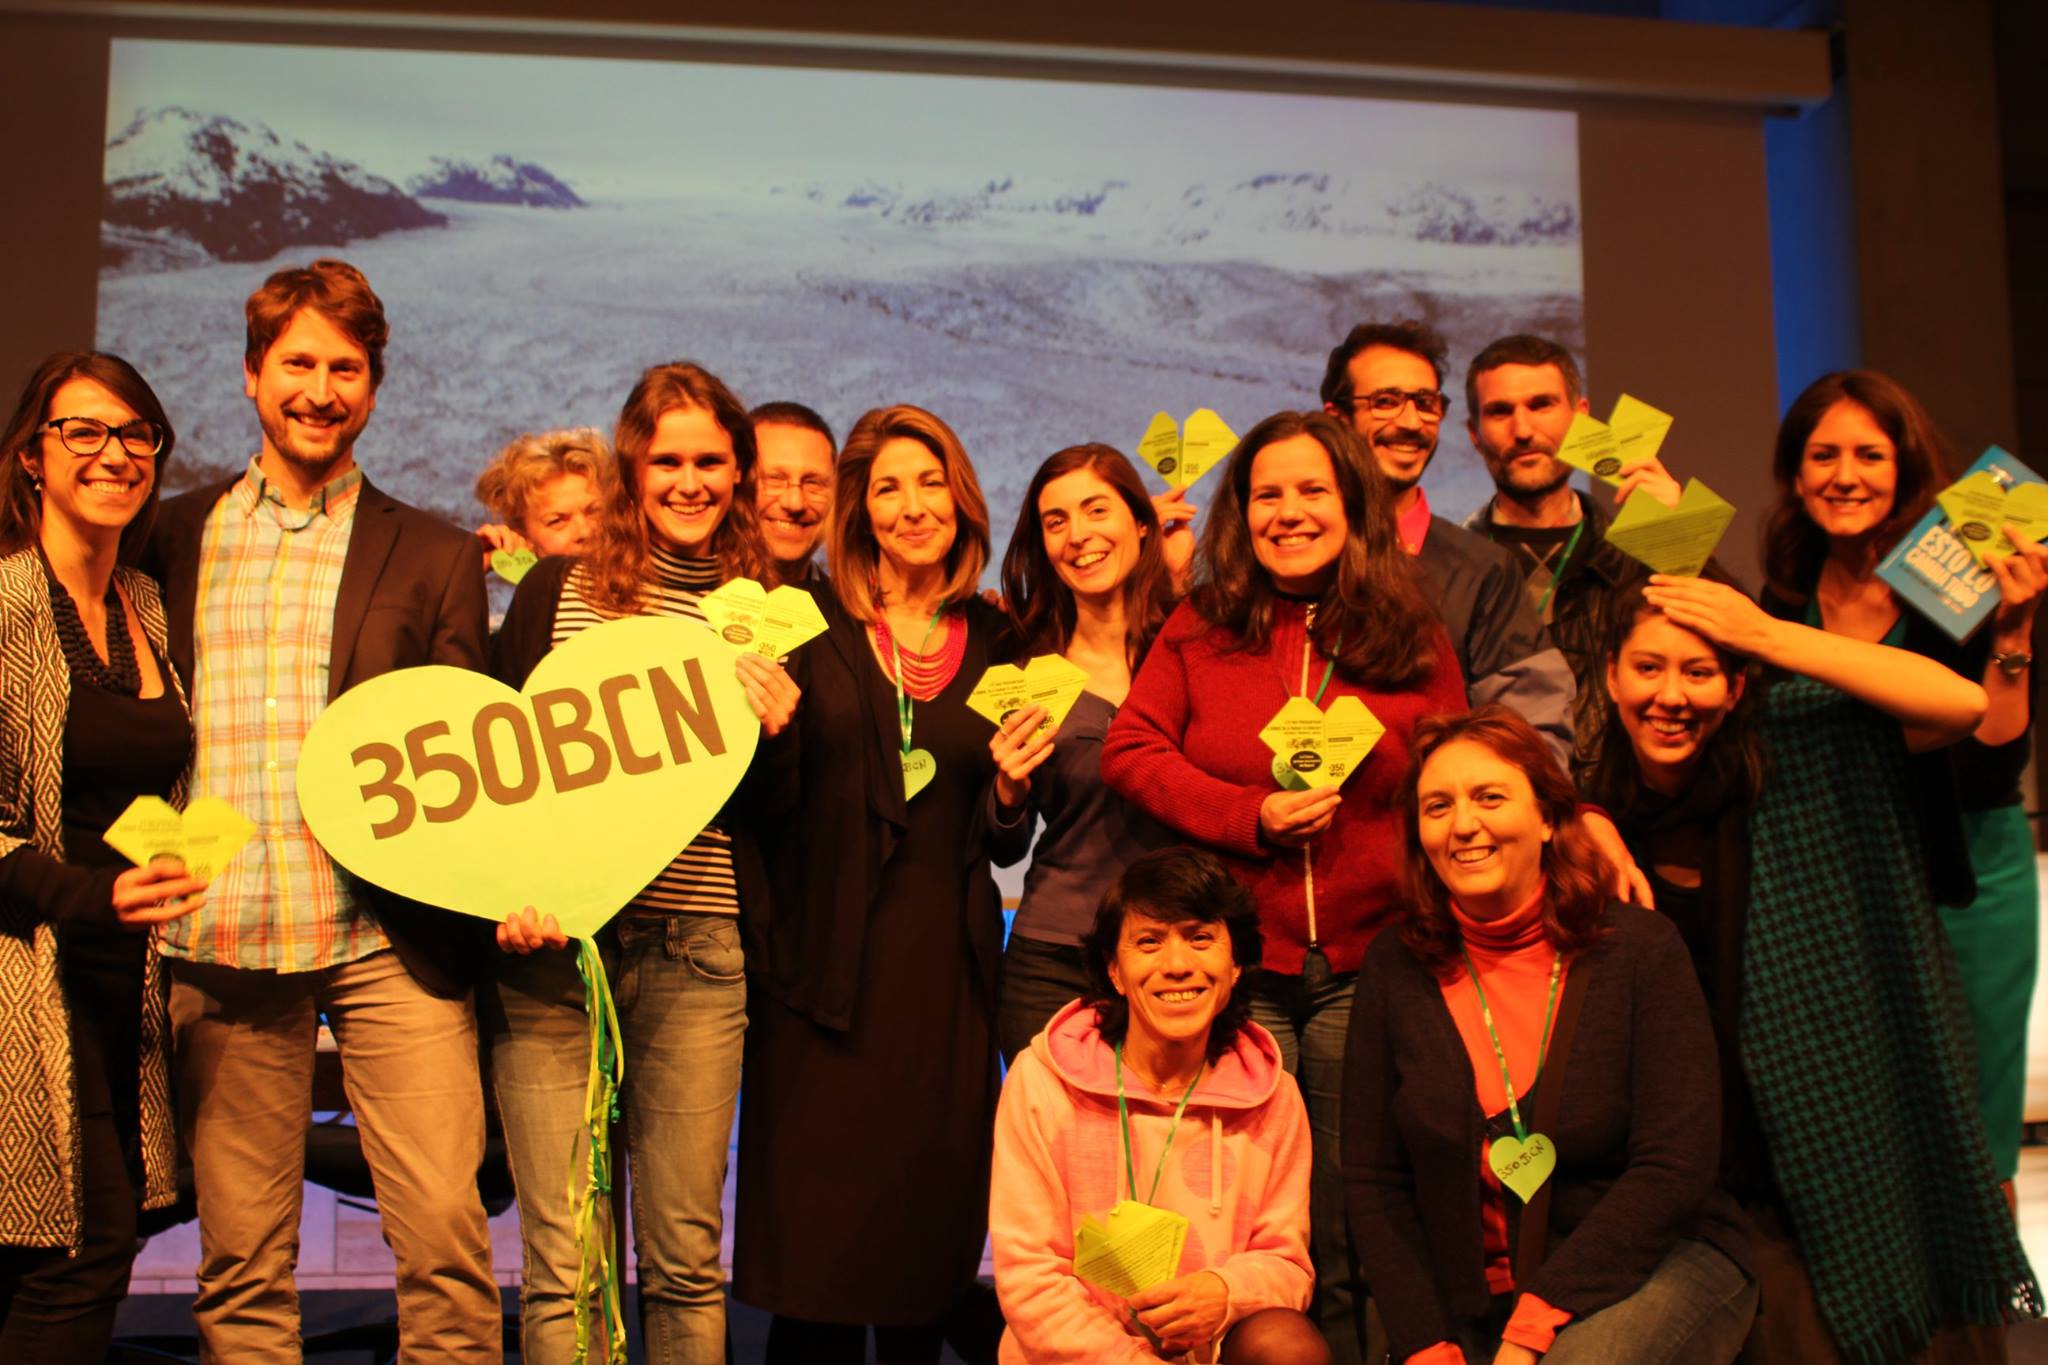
680	987
1310	1016
1038	980
1695	1309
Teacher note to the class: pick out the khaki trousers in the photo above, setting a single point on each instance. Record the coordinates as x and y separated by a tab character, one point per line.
245	1042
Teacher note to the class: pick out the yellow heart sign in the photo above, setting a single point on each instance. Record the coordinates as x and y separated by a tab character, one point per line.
1674	540
1632	434
1184	454
511	565
1522	1166
1048	680
1320	748
756	621
1980	506
205	836
569	795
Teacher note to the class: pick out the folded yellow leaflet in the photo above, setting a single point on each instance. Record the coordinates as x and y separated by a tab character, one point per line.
1317	748
1132	1247
756	621
1183	454
1632	434
1980	507
1048	680
1675	540
205	836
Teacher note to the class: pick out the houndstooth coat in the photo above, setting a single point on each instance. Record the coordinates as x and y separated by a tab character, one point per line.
41	1190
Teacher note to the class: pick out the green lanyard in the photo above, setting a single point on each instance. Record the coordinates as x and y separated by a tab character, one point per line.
1558	573
1543	1049
1329	664
904	707
1124	1113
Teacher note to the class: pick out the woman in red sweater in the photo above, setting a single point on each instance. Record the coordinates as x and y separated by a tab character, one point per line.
1302	591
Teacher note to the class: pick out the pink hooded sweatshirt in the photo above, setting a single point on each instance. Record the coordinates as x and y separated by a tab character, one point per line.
1059	1156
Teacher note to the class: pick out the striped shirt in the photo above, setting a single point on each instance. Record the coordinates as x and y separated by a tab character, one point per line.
262	638
700	881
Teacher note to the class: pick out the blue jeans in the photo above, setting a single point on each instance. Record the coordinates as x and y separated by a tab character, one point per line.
1695	1309
679	983
1039	979
1310	1016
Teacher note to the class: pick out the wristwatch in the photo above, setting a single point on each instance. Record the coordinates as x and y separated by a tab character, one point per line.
2013	664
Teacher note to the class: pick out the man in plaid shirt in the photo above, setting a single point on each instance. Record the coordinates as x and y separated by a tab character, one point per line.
286	586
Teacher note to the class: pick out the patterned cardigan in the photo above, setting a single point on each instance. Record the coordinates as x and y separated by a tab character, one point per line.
41	1190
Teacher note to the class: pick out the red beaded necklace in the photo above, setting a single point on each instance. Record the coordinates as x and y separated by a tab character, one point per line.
924	675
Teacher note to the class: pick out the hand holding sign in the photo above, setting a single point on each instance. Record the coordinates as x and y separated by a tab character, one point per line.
1675	540
1632	434
1183	455
753	620
569	796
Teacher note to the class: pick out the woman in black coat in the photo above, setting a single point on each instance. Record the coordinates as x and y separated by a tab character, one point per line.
1519	1011
868	1113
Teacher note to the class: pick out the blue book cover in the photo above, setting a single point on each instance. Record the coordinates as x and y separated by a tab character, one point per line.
1933	571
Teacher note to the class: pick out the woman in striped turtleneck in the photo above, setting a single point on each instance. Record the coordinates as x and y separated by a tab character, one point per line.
680	523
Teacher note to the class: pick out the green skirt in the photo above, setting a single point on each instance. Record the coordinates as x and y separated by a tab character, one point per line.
1997	940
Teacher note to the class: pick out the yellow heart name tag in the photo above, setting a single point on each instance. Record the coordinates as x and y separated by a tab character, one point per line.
756	621
1522	1166
1980	506
511	565
1048	680
1674	540
1321	748
1132	1247
569	795
205	836
919	768
1632	434
1183	454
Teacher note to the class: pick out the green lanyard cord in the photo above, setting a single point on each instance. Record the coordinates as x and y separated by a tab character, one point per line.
1543	1048
904	707
1558	573
1124	1113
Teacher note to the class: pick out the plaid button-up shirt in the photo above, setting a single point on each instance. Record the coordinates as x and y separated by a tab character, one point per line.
263	635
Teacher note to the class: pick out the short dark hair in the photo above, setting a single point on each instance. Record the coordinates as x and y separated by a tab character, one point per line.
1521	349
1406	334
336	291
783	413
1176	885
21	503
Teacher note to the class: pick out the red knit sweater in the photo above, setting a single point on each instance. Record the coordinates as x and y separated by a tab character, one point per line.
1186	749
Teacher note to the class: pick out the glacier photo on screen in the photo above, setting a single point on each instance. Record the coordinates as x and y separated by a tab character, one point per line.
1041	263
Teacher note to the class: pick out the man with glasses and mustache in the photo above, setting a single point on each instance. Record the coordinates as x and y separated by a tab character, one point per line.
793	473
1386	380
286	585
1522	392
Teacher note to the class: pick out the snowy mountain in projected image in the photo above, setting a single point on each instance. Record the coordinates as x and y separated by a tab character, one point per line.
1030	308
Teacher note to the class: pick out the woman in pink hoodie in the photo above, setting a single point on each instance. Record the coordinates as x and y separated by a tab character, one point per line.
1163	1048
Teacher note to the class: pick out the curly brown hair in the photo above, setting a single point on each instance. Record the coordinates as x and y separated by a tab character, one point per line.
1575	875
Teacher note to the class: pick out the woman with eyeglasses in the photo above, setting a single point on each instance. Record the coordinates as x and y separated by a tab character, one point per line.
91	717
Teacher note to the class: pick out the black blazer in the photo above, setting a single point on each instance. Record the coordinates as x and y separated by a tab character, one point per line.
1637	1135
411	593
825	864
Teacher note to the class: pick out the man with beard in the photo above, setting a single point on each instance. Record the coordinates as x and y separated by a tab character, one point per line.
1522	393
285	586
793	473
1386	379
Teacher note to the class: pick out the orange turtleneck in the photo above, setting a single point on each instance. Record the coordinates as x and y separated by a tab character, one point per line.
1513	960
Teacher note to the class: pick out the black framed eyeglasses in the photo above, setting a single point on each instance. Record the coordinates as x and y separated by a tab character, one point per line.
1389	402
140	439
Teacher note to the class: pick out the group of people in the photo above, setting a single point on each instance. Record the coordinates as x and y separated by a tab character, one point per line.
1654	989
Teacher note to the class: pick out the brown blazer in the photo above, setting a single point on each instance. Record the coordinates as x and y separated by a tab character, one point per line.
411	593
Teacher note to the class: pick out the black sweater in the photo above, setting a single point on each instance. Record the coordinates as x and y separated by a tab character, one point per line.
1637	1136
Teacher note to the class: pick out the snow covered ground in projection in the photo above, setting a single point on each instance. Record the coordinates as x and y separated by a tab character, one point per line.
514	319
